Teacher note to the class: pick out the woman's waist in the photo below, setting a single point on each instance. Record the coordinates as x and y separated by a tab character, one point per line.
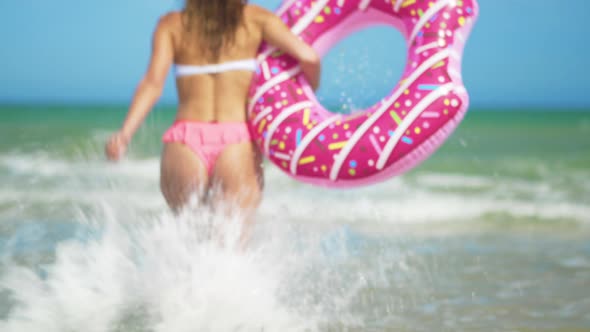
196	112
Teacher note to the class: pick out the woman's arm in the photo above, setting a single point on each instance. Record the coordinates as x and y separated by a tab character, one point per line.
148	91
276	33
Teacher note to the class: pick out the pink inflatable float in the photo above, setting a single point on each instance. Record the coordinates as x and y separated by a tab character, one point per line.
316	146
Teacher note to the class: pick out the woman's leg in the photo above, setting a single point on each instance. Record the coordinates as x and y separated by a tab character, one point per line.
237	182
182	175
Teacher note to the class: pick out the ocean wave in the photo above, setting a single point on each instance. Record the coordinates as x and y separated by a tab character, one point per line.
39	182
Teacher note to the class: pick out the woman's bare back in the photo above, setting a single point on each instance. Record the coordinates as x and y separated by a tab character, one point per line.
218	96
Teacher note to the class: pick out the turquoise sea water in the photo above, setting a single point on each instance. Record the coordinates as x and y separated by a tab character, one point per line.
492	233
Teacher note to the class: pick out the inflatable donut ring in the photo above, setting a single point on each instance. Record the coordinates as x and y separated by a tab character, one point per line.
316	146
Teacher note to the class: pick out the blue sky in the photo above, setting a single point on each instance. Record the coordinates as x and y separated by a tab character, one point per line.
522	53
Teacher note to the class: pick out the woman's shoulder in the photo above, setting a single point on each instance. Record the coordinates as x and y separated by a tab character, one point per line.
258	13
170	20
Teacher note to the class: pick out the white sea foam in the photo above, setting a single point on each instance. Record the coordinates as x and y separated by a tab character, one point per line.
42	165
166	274
420	198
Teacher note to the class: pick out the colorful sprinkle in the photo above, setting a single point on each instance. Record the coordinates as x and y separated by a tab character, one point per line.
261	125
337	145
395	117
408	3
306	160
375	144
428	86
282	156
439	64
306	114
407	140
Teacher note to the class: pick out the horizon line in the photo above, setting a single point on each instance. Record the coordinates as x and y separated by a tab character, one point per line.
165	105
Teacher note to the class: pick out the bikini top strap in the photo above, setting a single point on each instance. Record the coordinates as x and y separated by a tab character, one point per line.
187	70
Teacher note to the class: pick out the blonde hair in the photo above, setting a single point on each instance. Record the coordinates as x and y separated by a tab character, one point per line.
214	22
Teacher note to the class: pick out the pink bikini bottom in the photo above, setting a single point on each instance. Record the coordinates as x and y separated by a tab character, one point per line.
207	139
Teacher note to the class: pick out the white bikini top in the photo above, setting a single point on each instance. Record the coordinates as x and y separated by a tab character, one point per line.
187	70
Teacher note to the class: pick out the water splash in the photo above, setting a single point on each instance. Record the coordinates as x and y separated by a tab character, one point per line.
179	273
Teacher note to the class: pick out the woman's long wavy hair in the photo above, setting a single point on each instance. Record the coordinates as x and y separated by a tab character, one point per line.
214	23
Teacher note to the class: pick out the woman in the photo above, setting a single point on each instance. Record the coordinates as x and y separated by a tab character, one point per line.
213	44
